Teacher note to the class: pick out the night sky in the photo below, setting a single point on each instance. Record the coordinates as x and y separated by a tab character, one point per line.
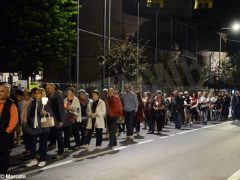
223	14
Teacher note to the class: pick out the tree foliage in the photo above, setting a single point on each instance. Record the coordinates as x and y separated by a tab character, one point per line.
222	76
36	33
125	58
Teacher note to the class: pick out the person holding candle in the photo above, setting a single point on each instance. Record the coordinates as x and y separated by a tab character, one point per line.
159	113
38	109
73	116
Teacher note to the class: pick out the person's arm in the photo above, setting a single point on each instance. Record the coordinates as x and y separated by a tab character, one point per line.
102	112
61	109
135	102
13	118
120	107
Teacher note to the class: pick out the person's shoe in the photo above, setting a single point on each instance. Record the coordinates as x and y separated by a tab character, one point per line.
159	132
127	138
76	148
51	147
66	150
26	152
42	164
59	157
33	162
138	134
86	146
98	147
131	138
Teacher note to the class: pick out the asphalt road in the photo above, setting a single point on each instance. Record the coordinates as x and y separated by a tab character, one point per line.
209	152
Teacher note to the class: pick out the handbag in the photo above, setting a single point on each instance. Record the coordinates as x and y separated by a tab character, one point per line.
71	117
47	122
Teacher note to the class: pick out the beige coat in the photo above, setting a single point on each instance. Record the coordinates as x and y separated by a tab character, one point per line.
101	111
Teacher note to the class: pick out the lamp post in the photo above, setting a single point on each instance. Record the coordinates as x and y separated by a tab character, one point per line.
78	4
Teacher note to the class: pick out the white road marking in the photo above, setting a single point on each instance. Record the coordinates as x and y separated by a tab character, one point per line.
143	142
119	148
56	165
235	176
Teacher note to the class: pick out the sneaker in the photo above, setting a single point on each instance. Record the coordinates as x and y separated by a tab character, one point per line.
59	157
33	162
131	138
98	147
66	150
42	164
86	146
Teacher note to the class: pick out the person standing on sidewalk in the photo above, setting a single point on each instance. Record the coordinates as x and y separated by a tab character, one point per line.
33	127
8	121
96	112
114	111
73	120
130	104
57	106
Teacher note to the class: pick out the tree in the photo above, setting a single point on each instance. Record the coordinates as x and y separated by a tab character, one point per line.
222	76
125	58
36	33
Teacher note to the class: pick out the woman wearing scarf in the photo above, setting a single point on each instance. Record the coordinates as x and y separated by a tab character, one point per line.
96	112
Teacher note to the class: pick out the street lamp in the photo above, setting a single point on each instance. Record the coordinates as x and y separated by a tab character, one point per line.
234	28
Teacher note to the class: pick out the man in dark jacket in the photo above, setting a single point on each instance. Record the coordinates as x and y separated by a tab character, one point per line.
8	121
57	106
178	110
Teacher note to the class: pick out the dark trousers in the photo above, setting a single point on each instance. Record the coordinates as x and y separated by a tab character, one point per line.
112	127
43	139
177	120
129	116
82	127
137	126
52	136
5	150
59	138
150	124
195	116
68	132
98	136
26	140
159	119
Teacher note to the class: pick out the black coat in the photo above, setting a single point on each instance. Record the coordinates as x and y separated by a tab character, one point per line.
29	126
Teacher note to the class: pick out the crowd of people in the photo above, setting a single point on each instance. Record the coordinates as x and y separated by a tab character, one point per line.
78	114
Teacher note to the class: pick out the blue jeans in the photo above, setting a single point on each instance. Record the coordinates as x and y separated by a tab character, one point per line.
177	118
205	115
129	116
